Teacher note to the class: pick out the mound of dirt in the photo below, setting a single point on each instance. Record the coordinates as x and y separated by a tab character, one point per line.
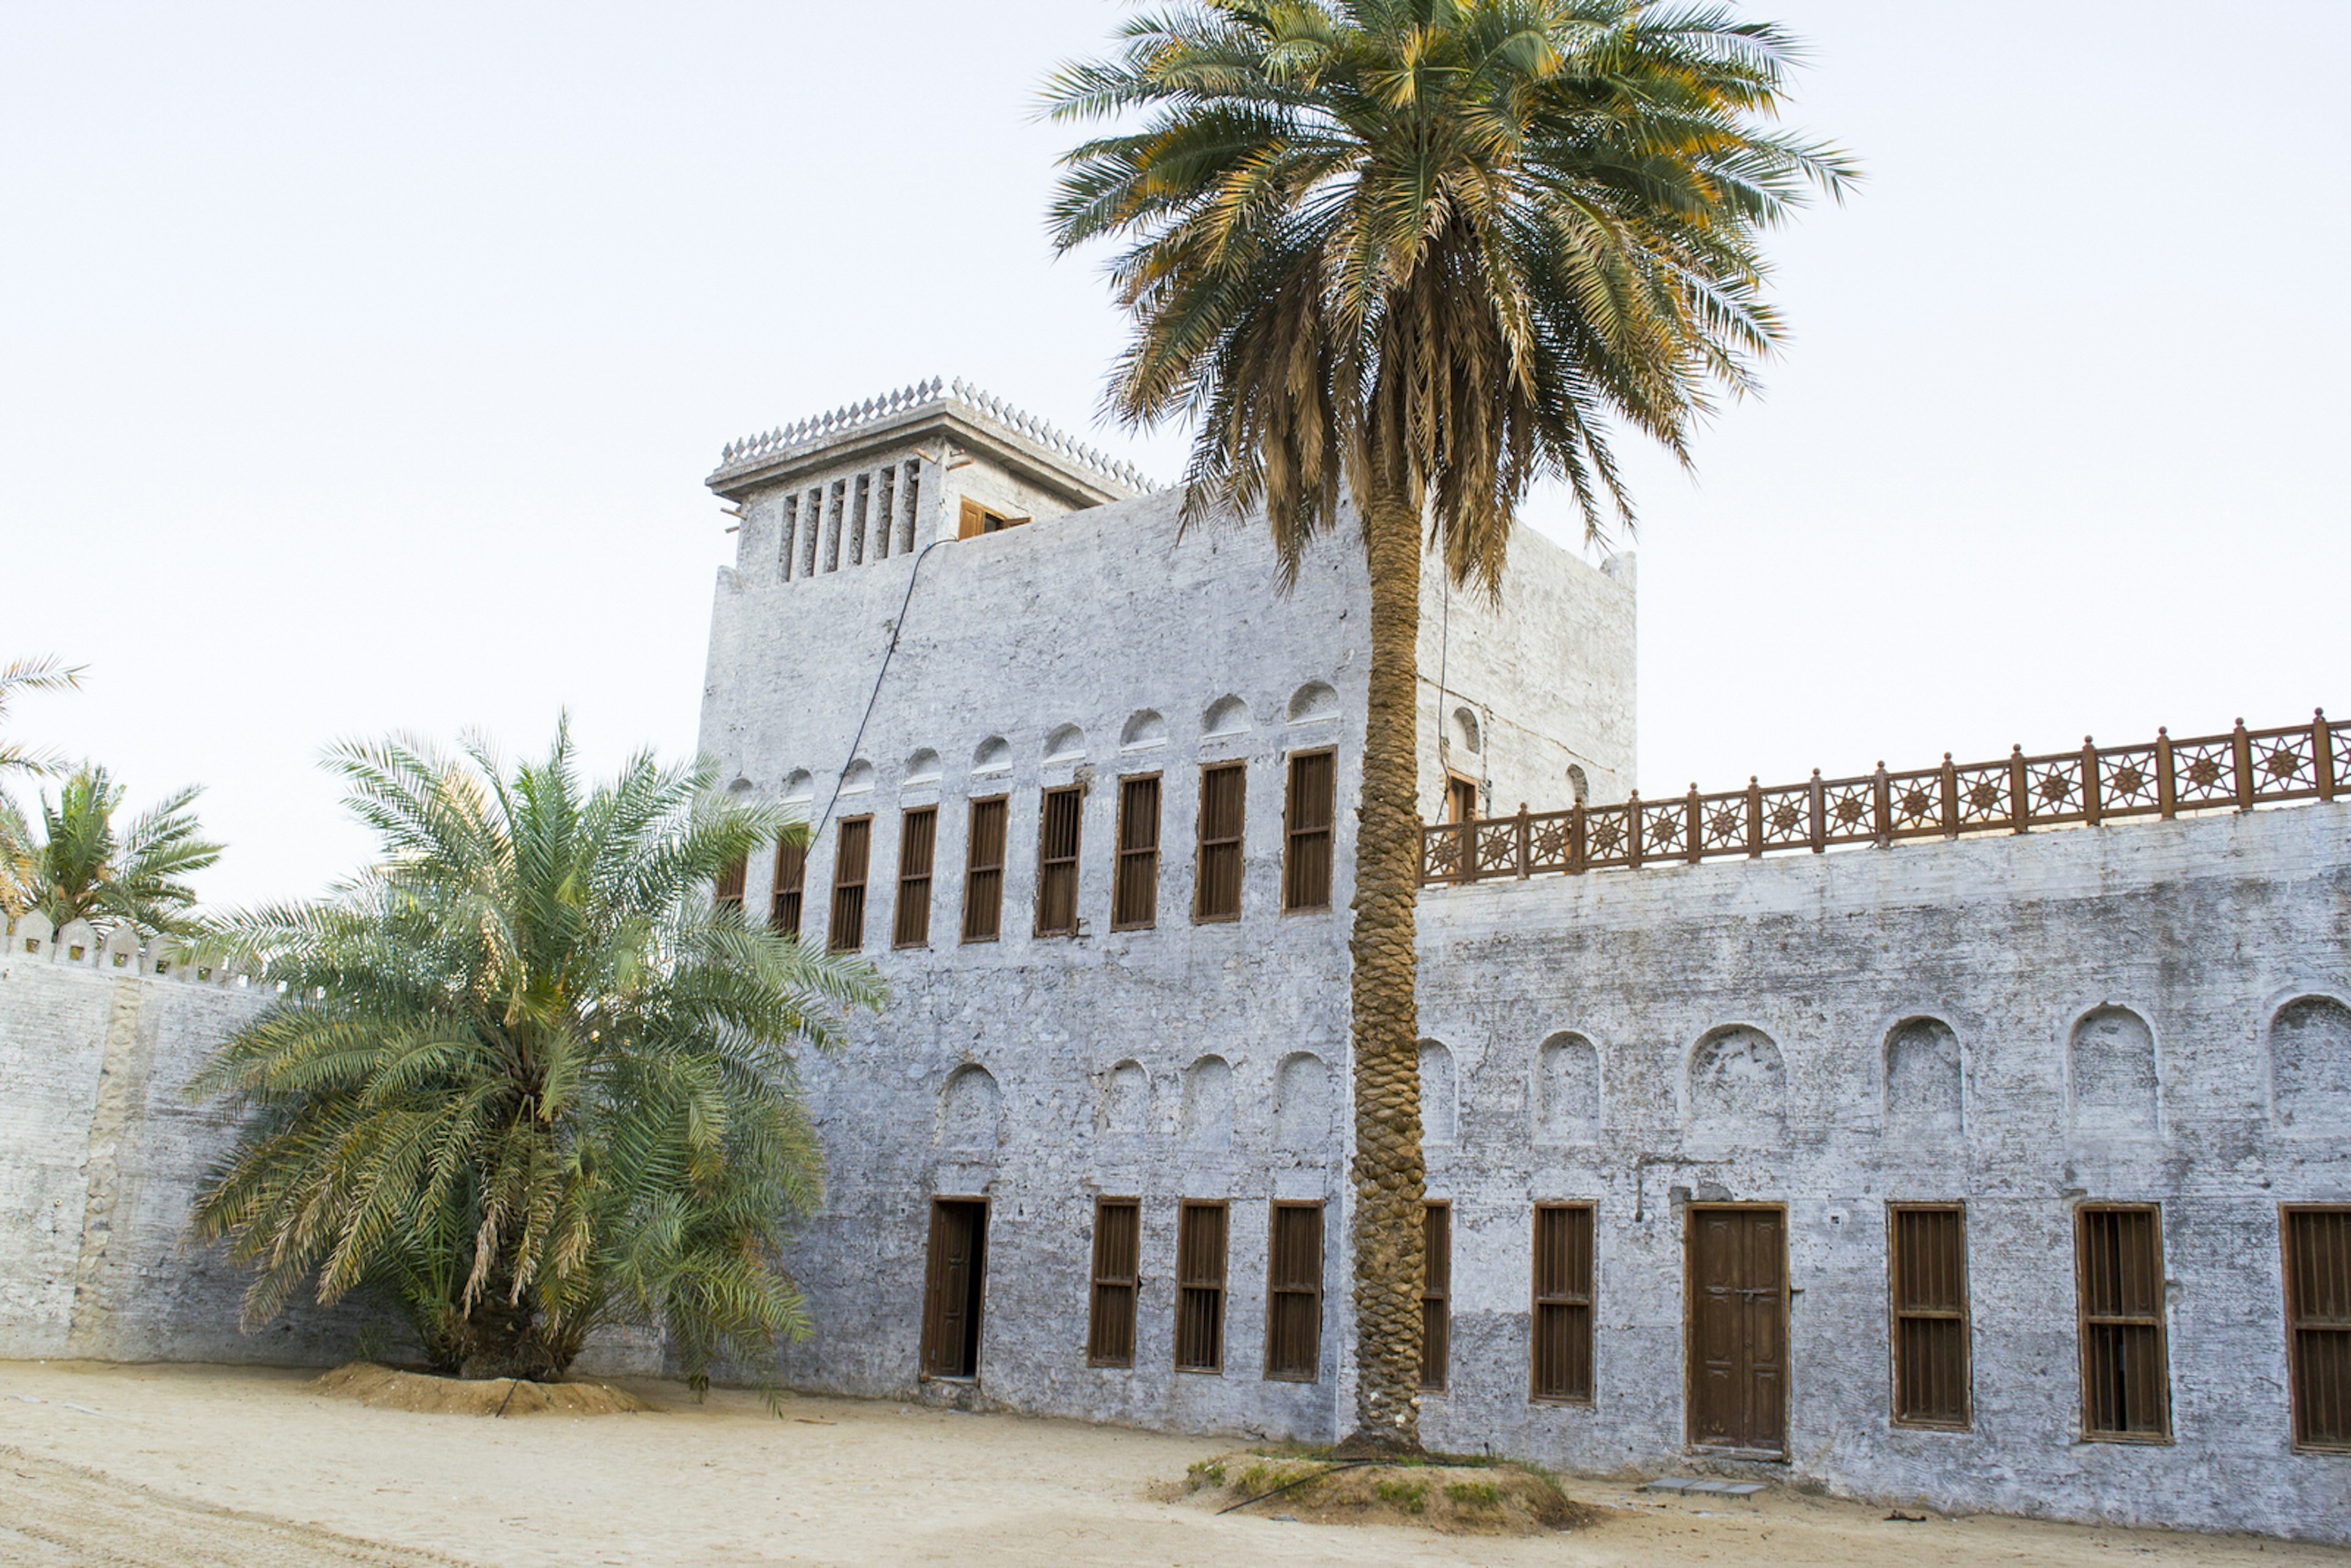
389	1389
1498	1499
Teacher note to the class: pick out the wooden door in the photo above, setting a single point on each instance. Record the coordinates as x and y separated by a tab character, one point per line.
1738	1264
952	1288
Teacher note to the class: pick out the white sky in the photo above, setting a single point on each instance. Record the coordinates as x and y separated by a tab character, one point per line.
360	365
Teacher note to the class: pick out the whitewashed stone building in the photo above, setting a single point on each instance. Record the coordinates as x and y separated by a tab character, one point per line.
1999	1158
1969	1172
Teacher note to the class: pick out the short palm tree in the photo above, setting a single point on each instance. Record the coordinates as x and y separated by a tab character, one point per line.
30	675
1433	249
83	868
525	1078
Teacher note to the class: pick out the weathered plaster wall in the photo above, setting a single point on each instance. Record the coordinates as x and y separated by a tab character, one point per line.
2204	929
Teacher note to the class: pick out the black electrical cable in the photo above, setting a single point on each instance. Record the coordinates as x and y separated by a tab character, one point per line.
896	628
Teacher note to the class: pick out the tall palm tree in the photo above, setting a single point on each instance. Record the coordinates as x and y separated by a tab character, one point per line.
82	868
30	675
524	1079
1435	250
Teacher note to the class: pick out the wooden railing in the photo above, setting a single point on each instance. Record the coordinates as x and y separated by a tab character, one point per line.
2239	770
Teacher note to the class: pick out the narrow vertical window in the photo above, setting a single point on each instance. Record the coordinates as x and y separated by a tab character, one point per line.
1461	798
983	872
2319	1325
1118	1254
833	505
2126	1373
918	832
791	880
1294	1306
885	512
1200	1287
729	895
1562	1326
1135	894
1224	788
863	498
789	551
1306	854
1057	862
848	933
1927	1266
914	502
1435	1295
811	516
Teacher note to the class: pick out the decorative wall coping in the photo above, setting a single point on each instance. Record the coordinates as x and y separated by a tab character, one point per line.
808	436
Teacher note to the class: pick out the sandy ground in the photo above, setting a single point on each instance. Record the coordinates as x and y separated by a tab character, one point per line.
193	1467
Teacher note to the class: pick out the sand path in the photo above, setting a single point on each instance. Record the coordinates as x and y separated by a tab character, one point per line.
111	1467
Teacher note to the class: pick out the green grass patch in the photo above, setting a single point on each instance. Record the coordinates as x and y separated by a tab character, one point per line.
1474	1494
1405	1497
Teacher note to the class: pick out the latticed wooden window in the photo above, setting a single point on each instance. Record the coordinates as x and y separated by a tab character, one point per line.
1294	1306
729	894
1435	1295
1200	1287
1224	791
983	871
1563	1325
1135	894
791	880
2319	1325
1057	862
1306	857
1118	1253
1927	1264
2126	1373
918	835
856	843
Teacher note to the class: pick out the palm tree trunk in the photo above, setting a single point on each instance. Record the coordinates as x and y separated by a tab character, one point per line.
1388	1173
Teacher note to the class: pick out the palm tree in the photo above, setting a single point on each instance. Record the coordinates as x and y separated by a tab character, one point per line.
1435	249
82	869
525	1078
31	676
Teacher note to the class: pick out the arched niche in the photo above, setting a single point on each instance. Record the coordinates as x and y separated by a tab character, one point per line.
971	1111
1737	1087
1466	732
2310	1066
1567	1090
923	768
2110	1069
1126	1102
1225	716
1208	1121
1579	788
1143	731
800	788
1301	1105
1312	703
1066	744
857	779
1440	1101
1925	1080
993	755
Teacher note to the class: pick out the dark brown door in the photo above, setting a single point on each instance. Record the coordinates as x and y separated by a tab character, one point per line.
952	1288
1738	1329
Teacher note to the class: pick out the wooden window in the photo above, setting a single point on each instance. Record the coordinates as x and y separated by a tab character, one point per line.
2126	1373
2319	1325
848	933
1057	862
729	894
1306	854
1118	1254
978	519
1926	1266
1135	894
1224	793
1562	1326
1435	1295
918	836
1294	1306
1461	798
983	872
791	880
953	1287
1200	1287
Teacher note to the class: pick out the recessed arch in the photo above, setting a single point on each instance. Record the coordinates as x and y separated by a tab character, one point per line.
1467	733
1127	1101
1144	730
1227	715
799	787
1737	1087
1567	1089
2309	1065
993	755
1925	1080
971	1111
1302	1104
2110	1069
857	778
1579	788
1066	744
1312	703
1207	1117
923	766
1440	1107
